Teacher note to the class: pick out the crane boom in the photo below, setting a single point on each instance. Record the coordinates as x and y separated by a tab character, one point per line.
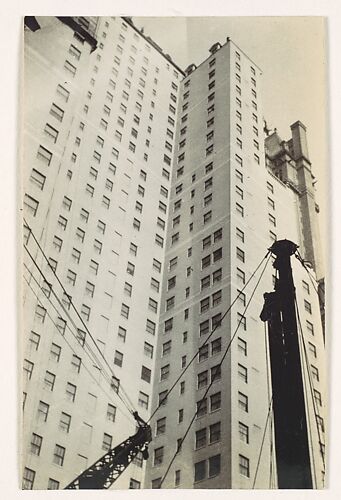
107	469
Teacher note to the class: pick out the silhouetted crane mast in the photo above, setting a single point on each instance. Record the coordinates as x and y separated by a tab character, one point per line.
290	421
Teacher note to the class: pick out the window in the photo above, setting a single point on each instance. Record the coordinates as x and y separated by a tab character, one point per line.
143	400
128	289
205	282
216	373
107	442
177	477
204	305
138	206
175	238
310	327
118	358
65	422
164	372
125	311
242	346
206	261
240	256
136	224
217	276
201	408
199	470
240	209
165	173
216	298
59	455
239	192
134	484
53	484
31	204
162	398
28	479
217	254
215	401
314	373
320	422
140	190
40	313
272	220
51	132
34	340
150	327
273	236
170	303
312	349
158	456
146	374
208	200
161	426
182	387
305	286
156	483
202	379
157	265
57	112
65	94
80	336
214	433
207	217
55	351
176	220
204	327
307	306
206	242
71	277
216	346
216	321
242	372
71	391
148	350
53	264
36	442
203	353
244	466
115	384
200	438
70	68
61	325
133	249
243	402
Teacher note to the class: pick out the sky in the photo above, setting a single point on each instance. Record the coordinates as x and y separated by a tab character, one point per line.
291	53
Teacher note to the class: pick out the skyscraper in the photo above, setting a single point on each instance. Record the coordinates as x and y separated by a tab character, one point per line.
149	203
230	200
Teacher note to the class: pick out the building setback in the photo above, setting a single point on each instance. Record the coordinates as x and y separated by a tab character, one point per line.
151	195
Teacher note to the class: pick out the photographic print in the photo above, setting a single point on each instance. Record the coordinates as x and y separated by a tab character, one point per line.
173	214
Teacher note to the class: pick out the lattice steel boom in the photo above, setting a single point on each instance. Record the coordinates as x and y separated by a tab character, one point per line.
105	471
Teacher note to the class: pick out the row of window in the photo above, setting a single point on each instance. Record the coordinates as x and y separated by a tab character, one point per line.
29	477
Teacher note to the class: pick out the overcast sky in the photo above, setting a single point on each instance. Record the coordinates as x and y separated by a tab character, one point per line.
289	50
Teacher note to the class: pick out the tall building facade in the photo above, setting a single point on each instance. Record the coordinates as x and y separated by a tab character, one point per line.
150	192
99	117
